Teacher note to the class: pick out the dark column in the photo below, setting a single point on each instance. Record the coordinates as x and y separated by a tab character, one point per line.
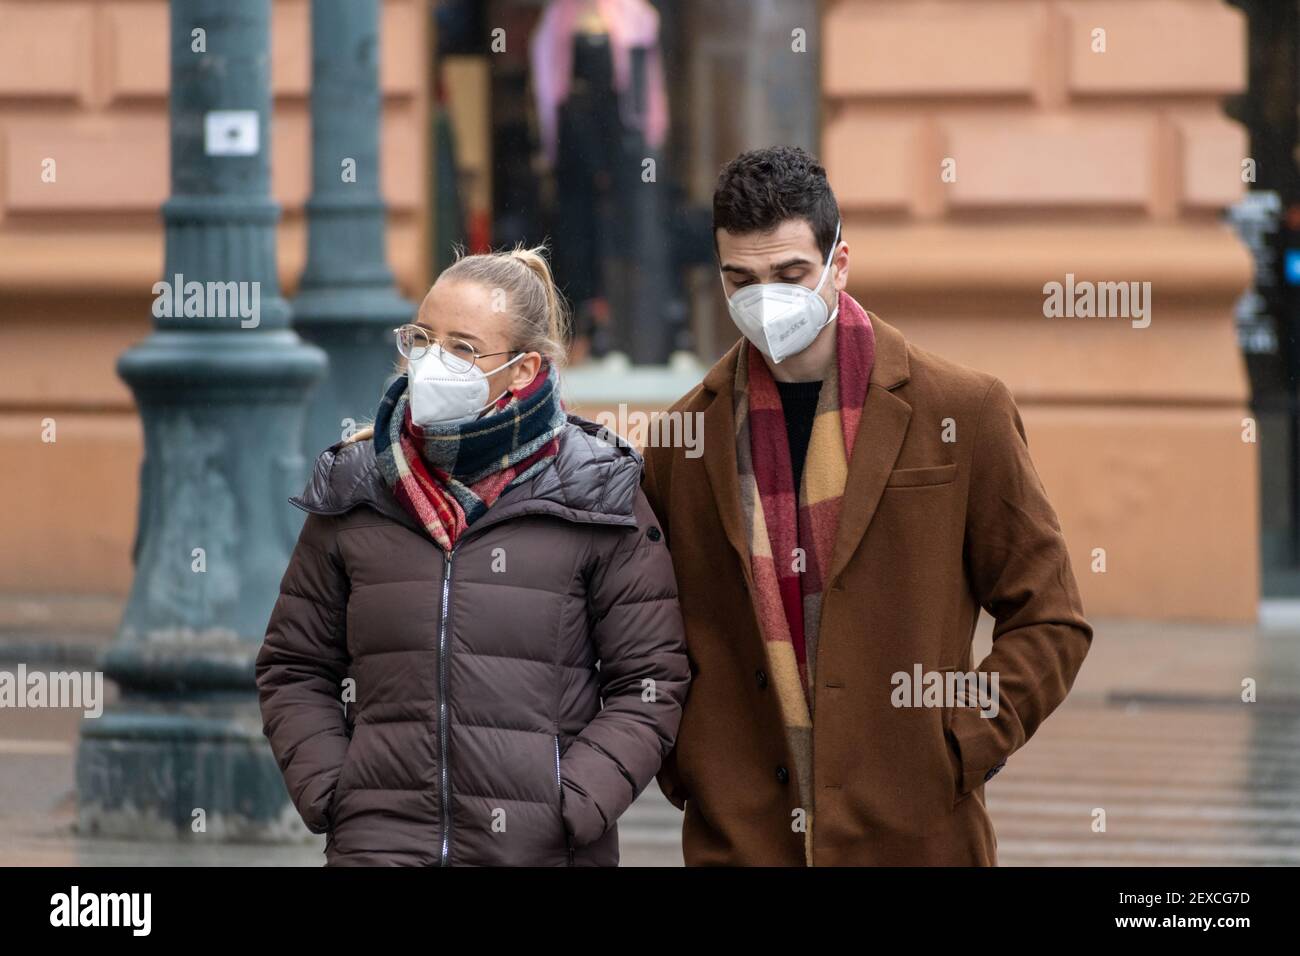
348	303
221	385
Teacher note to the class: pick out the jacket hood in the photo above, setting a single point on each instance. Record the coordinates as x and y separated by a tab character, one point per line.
593	478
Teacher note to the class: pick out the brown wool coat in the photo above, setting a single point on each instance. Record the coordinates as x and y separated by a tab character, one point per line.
559	600
930	532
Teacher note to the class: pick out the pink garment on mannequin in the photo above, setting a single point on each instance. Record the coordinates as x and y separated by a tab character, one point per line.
631	24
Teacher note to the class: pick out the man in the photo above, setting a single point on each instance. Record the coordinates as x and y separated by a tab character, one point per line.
858	500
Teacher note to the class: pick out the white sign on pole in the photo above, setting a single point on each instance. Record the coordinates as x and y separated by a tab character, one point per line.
230	133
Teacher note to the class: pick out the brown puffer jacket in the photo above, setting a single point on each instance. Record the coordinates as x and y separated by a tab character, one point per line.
477	735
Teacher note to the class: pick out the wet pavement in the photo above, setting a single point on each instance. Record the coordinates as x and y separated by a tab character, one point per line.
1155	741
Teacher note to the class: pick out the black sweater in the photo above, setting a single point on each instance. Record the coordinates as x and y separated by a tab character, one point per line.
799	403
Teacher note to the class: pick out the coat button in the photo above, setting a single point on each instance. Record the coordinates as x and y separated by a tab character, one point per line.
782	775
761	676
653	534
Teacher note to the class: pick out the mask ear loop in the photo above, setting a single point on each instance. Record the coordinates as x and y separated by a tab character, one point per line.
723	279
830	260
504	390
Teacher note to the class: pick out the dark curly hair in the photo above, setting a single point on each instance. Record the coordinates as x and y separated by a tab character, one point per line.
759	190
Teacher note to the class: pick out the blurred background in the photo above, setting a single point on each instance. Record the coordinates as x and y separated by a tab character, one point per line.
979	150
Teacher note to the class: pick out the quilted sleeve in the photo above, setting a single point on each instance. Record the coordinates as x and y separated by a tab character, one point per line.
300	668
639	638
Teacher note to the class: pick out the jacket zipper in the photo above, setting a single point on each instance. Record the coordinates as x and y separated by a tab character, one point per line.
442	710
559	787
442	679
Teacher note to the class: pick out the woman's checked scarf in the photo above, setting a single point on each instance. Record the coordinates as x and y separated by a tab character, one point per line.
447	476
791	532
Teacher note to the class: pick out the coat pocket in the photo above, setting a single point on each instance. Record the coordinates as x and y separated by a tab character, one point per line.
340	784
921	477
950	743
330	810
348	764
954	761
559	789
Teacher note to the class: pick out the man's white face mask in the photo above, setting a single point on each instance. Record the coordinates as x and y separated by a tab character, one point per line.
783	318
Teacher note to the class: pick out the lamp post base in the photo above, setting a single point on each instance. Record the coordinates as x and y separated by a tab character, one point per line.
155	767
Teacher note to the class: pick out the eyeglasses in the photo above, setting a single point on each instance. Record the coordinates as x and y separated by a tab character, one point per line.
457	355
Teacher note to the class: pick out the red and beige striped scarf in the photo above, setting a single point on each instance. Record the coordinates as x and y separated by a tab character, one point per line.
791	531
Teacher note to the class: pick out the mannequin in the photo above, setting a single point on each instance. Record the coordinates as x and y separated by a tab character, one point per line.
582	68
629	24
590	20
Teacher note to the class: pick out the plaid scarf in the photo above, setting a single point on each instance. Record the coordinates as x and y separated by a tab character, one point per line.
447	476
791	534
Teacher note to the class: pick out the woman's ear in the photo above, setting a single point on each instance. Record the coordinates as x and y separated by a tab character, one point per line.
526	370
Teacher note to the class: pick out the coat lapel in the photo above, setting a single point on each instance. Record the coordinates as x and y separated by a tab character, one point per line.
720	453
881	431
883	426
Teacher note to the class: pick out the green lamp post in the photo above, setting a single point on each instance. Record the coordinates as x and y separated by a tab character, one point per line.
221	384
348	303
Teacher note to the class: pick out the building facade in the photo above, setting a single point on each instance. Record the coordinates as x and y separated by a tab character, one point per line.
981	150
1086	139
83	84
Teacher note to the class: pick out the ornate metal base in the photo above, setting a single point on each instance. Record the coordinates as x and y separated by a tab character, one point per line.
194	769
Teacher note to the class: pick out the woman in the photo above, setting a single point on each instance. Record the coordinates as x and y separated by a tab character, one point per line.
477	572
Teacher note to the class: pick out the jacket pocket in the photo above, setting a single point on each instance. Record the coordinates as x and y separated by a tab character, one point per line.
950	742
347	763
954	761
331	809
342	782
921	477
559	789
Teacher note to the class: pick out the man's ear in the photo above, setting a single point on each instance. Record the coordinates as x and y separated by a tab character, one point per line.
840	268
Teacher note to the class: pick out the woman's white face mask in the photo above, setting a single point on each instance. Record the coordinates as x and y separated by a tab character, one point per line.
783	318
440	396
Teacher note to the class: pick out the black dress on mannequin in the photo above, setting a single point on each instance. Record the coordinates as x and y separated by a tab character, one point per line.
589	151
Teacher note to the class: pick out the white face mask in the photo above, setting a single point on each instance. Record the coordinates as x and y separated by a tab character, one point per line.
440	396
782	318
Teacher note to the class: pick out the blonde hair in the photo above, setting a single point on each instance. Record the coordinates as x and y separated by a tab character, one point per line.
539	316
